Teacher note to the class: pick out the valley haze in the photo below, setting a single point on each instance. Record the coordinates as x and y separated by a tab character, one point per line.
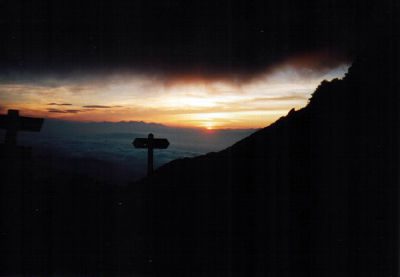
89	147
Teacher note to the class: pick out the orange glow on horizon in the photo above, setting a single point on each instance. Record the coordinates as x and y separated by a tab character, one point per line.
209	125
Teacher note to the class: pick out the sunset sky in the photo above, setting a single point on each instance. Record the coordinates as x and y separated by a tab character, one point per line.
187	100
207	64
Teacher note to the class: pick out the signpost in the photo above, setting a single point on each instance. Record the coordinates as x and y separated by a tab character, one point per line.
150	143
13	123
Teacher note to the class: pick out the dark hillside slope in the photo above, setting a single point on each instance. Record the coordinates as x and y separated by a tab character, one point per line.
314	194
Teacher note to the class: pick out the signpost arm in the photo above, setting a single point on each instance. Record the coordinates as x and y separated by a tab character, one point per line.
150	143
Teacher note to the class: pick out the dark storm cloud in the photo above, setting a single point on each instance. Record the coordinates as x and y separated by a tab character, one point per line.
201	37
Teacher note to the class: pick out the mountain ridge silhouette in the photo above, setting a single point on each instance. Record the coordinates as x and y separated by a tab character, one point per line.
313	194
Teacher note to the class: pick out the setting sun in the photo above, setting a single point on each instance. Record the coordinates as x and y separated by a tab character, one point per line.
209	125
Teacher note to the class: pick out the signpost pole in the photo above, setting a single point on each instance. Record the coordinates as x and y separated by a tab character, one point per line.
11	133
150	155
150	143
13	123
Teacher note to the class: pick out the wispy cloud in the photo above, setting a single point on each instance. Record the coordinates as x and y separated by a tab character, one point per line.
63	111
59	104
97	107
280	98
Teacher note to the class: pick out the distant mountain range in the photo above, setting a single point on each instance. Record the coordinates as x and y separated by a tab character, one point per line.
91	147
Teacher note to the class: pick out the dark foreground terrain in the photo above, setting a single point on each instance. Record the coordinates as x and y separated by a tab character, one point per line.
314	194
